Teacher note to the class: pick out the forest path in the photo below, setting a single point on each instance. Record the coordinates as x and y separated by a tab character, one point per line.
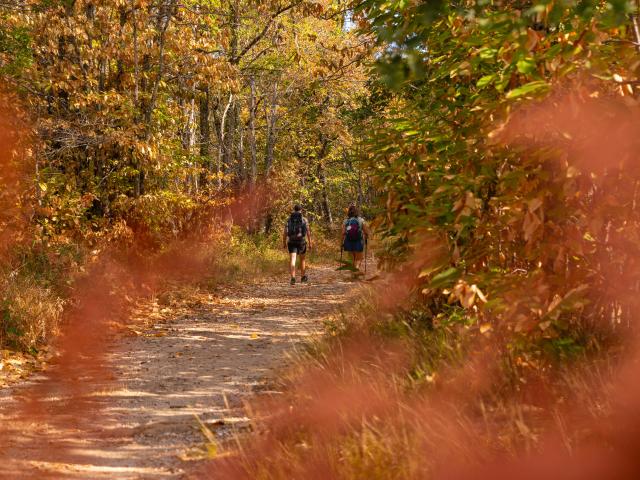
203	362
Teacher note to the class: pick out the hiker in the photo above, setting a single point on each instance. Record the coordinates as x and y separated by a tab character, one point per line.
355	234
297	239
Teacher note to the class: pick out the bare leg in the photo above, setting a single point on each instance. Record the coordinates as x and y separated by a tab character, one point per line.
353	259
292	266
357	259
303	264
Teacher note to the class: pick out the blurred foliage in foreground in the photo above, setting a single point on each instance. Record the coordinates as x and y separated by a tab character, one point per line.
503	140
506	135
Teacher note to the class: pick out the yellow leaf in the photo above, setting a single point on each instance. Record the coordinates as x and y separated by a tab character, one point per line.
544	325
212	450
485	327
478	292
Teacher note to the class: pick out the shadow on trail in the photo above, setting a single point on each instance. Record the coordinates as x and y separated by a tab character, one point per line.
129	412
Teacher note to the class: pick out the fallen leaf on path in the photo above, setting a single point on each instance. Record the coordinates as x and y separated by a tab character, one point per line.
212	450
159	334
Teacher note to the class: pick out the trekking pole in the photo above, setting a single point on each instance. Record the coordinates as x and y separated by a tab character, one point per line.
366	243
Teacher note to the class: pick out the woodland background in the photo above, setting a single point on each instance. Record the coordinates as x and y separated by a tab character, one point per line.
492	143
143	118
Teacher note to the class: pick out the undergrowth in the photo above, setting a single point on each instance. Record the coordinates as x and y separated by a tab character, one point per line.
35	288
241	257
37	285
400	394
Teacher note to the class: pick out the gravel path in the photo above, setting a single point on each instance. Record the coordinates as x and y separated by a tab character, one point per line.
140	419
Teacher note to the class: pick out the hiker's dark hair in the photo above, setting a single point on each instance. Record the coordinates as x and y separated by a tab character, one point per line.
353	211
297	208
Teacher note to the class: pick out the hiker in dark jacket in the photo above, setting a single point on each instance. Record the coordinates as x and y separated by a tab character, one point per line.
355	233
297	240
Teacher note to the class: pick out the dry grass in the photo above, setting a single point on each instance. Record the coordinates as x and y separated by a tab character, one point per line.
31	314
384	398
35	288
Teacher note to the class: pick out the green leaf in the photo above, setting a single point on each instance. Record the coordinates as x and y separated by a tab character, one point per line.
488	53
445	279
526	65
486	80
530	88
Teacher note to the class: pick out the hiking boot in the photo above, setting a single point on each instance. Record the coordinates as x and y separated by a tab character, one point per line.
304	279
293	280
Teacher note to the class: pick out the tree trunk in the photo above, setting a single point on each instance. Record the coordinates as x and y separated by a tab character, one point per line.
188	132
325	204
221	141
205	133
230	164
252	132
136	73
272	119
242	168
163	24
326	207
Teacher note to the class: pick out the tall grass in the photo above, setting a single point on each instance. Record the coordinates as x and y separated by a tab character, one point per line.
35	285
395	395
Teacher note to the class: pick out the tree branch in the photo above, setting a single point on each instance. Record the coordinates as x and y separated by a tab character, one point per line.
235	60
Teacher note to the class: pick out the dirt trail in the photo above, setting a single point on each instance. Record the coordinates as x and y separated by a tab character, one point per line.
205	362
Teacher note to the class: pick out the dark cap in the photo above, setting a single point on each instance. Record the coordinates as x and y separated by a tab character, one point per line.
297	208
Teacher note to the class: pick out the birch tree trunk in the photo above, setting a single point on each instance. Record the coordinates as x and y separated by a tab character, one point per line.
222	142
230	164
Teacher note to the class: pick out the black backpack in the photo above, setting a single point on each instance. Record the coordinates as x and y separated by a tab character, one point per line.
296	228
353	230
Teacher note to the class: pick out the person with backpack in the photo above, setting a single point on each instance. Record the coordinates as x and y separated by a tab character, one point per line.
297	239
355	234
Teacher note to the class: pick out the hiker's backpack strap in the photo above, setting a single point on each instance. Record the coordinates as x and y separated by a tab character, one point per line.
289	227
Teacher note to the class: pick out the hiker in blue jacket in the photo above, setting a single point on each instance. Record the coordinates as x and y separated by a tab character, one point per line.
297	240
355	234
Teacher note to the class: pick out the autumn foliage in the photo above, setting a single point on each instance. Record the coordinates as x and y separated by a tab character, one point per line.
504	147
493	144
149	116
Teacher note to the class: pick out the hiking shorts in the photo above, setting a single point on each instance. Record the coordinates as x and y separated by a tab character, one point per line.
299	248
353	245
